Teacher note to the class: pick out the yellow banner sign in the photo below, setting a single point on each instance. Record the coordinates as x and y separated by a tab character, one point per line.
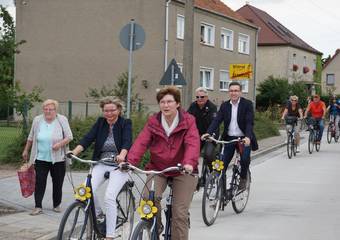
240	71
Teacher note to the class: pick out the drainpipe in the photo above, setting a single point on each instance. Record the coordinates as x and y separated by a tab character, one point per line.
255	65
166	34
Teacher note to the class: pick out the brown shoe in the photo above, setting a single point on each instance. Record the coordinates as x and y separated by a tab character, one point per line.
36	211
57	209
242	185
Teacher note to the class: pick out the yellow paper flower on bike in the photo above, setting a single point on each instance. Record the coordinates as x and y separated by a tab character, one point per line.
218	165
82	193
146	209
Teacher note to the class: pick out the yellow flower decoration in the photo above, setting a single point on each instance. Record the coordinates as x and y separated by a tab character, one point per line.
146	209
218	165
82	193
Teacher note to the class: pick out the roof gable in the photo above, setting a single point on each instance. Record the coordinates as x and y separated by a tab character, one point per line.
337	53
271	31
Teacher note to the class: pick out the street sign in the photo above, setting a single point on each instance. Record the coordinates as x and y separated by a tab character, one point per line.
240	71
173	75
138	36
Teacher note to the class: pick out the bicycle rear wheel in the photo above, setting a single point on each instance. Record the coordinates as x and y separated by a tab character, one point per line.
329	134
290	145
317	145
76	223
240	198
294	147
211	199
310	141
143	232
125	213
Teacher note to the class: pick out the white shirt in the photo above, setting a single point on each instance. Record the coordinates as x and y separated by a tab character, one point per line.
234	129
168	129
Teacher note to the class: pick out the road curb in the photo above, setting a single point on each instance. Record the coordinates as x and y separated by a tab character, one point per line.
267	150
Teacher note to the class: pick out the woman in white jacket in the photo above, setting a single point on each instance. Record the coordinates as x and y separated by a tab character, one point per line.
50	133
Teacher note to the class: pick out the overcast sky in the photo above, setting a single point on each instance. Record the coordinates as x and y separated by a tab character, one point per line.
316	22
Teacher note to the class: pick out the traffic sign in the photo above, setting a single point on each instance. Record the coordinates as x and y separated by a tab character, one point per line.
173	75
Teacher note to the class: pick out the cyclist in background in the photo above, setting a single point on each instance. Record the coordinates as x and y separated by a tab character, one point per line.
317	109
204	112
334	113
293	109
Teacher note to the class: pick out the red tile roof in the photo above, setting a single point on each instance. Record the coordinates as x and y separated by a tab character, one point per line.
271	31
217	6
337	52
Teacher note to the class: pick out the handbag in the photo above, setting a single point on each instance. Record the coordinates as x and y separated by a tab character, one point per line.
26	175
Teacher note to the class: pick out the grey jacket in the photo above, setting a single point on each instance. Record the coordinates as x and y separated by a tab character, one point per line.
61	131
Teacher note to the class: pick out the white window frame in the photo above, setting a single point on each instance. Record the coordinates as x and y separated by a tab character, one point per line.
328	83
245	85
227	81
241	43
204	39
203	82
227	33
180	26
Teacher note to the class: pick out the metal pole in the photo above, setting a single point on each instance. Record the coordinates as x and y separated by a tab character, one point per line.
172	74
132	30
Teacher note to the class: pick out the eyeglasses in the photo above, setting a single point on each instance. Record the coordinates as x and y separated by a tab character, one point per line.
110	110
234	90
49	109
167	102
200	97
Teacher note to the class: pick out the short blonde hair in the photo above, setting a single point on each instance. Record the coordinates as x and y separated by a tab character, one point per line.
294	97
51	101
112	100
202	89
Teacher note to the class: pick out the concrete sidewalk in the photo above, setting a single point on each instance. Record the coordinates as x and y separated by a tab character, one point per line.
21	225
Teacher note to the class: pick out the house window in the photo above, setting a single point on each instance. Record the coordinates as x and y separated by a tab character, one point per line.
206	77
243	43
180	27
224	80
244	84
330	79
227	39
294	58
304	61
207	34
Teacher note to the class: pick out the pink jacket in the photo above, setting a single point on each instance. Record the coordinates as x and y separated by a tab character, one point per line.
182	146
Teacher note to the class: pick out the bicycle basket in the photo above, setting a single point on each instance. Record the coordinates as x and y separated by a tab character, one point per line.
290	120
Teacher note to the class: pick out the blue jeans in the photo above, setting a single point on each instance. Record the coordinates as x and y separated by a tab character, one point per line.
321	126
229	151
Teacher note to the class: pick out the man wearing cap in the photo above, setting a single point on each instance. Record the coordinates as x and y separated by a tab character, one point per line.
317	109
293	109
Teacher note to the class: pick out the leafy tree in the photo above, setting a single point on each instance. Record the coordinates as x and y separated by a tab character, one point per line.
11	94
299	89
272	91
118	90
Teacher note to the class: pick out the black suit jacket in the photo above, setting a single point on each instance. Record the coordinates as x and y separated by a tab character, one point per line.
122	134
245	120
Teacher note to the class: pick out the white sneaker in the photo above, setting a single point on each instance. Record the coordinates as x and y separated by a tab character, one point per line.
297	149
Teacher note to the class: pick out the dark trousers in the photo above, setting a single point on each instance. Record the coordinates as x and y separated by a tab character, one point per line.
57	172
229	151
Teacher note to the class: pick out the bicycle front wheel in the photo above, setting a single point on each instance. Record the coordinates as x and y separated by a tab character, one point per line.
76	223
329	134
310	141
290	146
240	199
125	213
211	199
143	232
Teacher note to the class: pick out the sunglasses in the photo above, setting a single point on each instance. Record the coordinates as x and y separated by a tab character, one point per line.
200	97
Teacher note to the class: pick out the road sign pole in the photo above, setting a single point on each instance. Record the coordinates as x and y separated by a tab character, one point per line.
132	26
172	74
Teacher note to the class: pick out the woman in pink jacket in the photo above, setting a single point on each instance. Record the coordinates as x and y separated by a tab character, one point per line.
172	137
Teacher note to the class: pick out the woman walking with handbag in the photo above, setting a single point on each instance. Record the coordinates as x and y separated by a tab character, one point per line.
50	133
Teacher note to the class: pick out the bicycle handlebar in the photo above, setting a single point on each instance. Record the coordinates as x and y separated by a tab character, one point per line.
223	142
105	161
128	166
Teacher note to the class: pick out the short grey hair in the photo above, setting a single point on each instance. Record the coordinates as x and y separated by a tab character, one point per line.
201	89
51	101
112	100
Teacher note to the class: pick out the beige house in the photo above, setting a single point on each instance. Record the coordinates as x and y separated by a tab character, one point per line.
73	45
280	52
331	75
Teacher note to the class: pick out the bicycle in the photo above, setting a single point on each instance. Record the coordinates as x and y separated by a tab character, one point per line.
331	131
79	220
291	122
216	195
314	133
147	228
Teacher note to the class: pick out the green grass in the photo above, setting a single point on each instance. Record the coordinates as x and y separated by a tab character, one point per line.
8	136
264	127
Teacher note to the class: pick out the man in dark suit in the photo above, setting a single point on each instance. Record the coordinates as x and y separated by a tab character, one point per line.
237	115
